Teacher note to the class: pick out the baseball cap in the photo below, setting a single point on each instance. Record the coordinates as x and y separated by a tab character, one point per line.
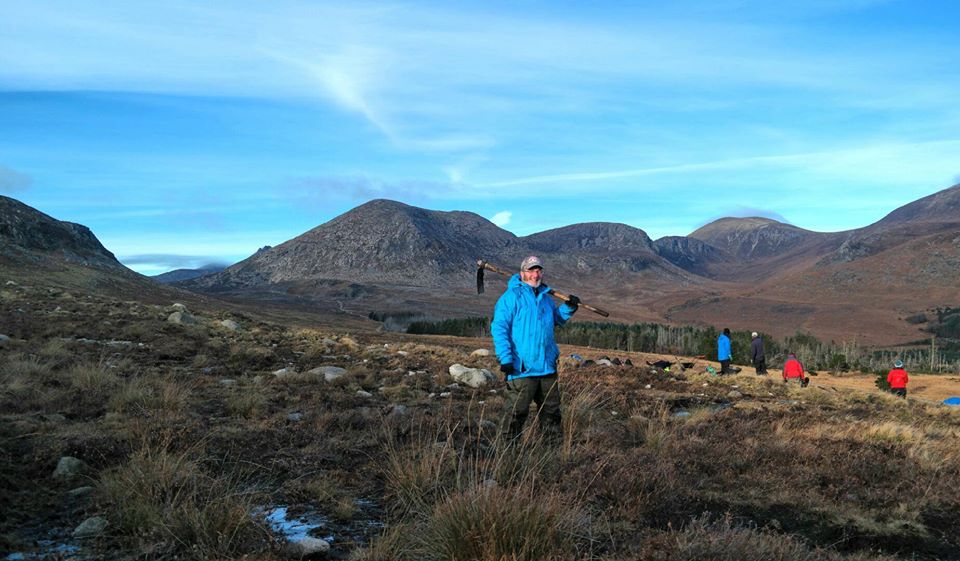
530	262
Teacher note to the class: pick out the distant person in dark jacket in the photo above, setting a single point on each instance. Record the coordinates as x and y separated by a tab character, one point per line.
897	379
793	371
723	351
757	357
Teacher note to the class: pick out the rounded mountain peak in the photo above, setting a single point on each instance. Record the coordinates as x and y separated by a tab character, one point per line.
751	237
587	235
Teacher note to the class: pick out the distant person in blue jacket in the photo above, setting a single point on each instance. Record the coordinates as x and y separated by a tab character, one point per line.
723	351
522	331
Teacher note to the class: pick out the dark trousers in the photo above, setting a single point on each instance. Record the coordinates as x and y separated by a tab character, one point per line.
725	366
542	390
761	365
899	392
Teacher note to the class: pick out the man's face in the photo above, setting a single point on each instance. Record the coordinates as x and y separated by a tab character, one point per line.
532	277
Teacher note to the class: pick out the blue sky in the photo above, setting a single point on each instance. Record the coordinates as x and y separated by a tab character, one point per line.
189	132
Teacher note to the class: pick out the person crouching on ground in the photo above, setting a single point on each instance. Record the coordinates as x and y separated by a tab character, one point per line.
522	330
793	371
757	357
897	379
723	351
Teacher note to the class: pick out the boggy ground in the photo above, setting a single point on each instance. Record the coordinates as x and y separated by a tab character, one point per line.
189	437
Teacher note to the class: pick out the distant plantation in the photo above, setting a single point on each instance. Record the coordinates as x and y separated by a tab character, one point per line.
924	356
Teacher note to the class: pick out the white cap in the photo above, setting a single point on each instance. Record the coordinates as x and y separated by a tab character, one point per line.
754	334
530	262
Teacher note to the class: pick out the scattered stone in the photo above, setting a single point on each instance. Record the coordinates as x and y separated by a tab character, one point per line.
734	394
628	362
283	372
295	417
648	386
402	353
398	411
362	393
604	362
481	352
307	546
329	373
3	338
473	377
177	306
453	386
328	342
230	324
69	467
11	283
90	527
445	394
228	382
182	318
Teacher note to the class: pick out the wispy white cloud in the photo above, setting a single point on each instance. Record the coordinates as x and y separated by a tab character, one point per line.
502	218
884	163
172	261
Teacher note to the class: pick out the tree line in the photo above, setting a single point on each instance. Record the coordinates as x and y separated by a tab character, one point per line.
924	356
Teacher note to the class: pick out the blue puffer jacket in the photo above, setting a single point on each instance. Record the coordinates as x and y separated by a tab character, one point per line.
723	347
522	329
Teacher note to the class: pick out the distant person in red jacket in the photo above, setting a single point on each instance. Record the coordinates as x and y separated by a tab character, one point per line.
793	370
897	378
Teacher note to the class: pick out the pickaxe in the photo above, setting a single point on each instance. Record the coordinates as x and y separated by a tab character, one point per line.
481	265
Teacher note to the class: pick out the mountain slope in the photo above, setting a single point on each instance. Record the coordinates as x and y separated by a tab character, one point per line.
28	234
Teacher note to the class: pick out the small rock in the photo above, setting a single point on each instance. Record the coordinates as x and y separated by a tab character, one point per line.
444	394
80	491
69	467
648	386
328	342
362	393
284	372
295	417
329	373
304	547
182	318
481	352
228	382
604	362
473	377
90	527
734	394
3	338
230	324
402	353
178	307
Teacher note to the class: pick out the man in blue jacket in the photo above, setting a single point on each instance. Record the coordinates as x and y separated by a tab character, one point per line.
522	331
723	351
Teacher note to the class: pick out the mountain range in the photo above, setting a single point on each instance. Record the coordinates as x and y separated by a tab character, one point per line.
746	273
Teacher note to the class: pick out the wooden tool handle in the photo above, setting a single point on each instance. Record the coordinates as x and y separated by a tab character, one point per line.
484	265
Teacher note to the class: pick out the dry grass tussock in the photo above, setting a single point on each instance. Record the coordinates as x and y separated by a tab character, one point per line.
199	507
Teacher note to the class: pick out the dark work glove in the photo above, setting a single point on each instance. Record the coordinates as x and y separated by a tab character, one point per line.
507	370
573	302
